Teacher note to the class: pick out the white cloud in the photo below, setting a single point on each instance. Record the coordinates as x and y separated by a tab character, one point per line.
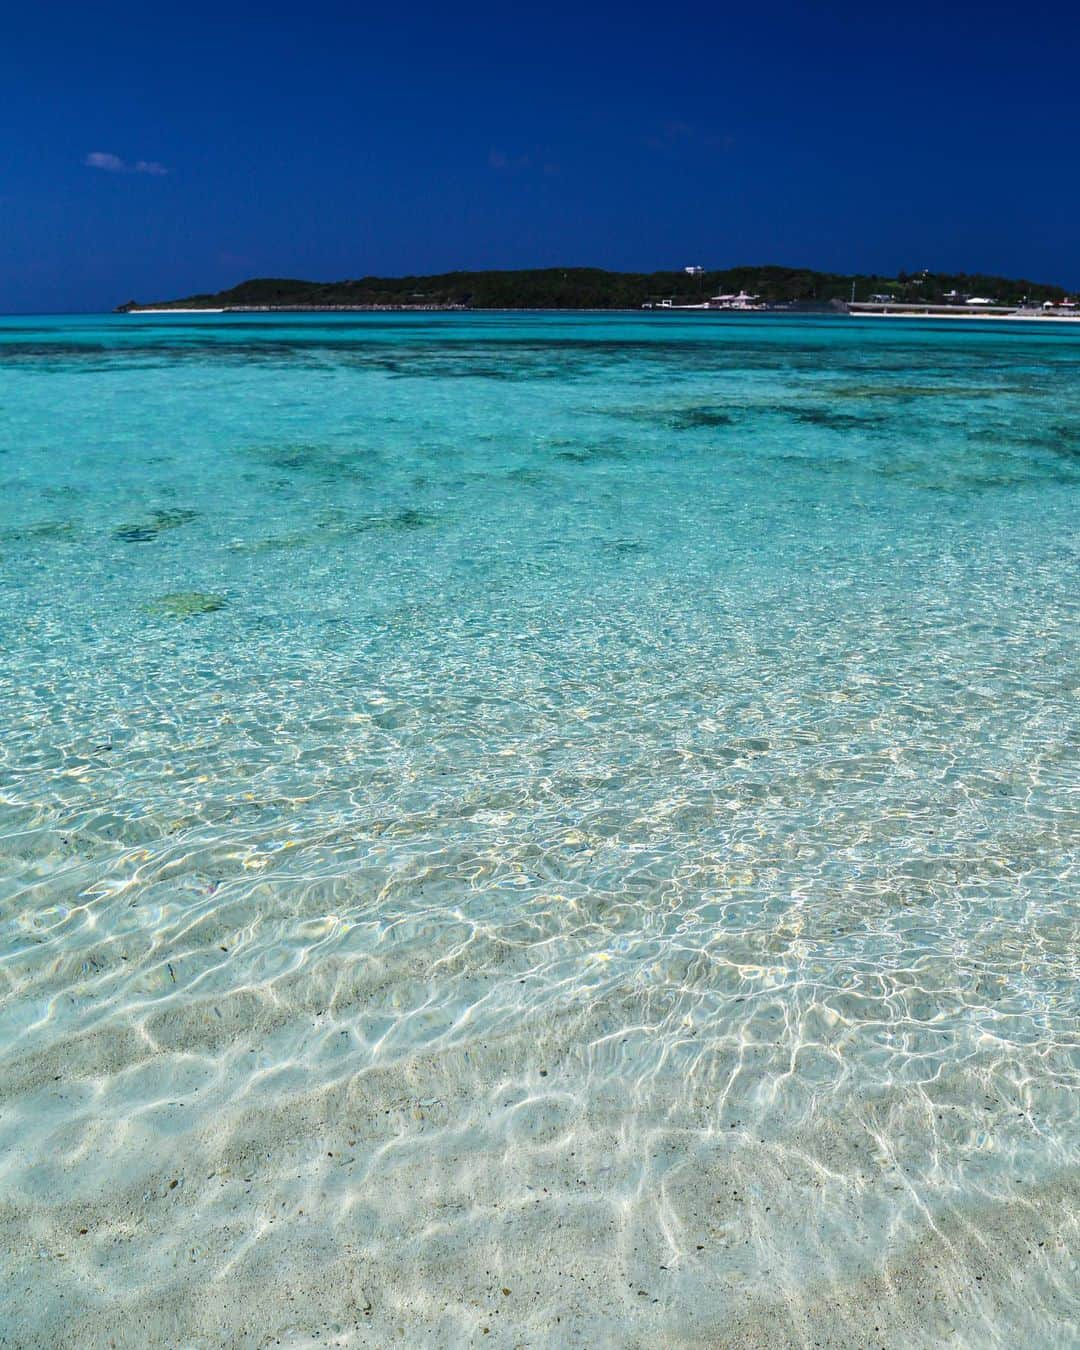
98	159
101	159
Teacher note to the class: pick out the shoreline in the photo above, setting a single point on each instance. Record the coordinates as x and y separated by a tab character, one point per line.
962	317
969	318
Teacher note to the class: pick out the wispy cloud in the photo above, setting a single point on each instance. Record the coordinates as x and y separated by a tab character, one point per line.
102	159
502	161
675	136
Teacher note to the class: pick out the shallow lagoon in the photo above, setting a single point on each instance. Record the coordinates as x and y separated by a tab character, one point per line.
561	828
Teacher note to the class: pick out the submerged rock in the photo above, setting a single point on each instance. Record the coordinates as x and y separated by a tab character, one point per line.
689	419
42	529
142	531
816	415
407	518
185	604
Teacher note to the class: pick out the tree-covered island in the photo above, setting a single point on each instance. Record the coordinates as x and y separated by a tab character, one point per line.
595	288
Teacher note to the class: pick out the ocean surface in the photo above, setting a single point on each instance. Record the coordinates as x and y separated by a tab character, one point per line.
542	830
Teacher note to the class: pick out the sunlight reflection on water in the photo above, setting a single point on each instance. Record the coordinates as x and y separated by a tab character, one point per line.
577	806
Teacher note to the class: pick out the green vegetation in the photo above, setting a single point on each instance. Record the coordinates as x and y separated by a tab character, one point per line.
593	288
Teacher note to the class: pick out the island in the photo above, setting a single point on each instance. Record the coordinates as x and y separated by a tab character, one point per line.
593	288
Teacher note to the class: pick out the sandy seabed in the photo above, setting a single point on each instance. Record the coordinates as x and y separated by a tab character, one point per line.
538	831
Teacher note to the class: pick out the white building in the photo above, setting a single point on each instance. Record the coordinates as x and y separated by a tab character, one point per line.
740	301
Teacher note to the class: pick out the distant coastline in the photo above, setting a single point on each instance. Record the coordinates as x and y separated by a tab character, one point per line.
772	287
772	311
451	309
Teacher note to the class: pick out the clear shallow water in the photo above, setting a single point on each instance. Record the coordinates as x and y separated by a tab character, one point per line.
582	806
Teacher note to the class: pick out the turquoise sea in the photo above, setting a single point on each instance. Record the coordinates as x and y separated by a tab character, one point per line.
539	830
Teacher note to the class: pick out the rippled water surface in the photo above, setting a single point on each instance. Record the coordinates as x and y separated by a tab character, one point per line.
557	829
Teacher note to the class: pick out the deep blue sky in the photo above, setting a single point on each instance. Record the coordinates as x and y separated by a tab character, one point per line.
330	140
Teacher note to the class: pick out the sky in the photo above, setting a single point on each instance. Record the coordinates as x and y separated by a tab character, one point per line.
150	151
